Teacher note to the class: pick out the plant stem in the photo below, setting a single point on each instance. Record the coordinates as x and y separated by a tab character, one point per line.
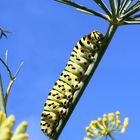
111	136
2	101
85	80
84	9
9	71
8	90
104	7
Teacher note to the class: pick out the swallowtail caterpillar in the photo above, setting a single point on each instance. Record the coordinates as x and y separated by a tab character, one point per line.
61	95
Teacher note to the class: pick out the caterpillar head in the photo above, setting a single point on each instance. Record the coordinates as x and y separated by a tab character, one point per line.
96	38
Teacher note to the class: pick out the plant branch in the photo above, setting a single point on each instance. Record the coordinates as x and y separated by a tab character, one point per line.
6	57
12	78
11	83
3	32
18	70
118	6
126	6
6	66
84	9
131	22
113	6
135	8
136	16
8	90
120	13
104	7
85	80
2	101
121	7
111	136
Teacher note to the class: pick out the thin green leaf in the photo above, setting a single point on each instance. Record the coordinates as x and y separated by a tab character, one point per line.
122	6
11	83
134	19
83	8
110	135
84	11
88	12
6	57
137	19
136	16
113	6
19	68
3	32
2	101
118	6
104	7
131	12
130	22
126	5
133	6
123	2
9	71
8	90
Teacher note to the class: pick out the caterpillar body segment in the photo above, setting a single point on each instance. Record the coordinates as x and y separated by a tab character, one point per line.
61	95
70	79
58	97
84	63
64	88
82	52
54	107
47	127
49	116
75	69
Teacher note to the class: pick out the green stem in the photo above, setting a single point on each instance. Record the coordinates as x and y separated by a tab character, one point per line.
9	71
104	7
83	8
8	90
111	136
2	101
113	7
85	80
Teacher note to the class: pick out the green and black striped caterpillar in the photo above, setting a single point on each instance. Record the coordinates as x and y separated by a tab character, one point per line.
61	95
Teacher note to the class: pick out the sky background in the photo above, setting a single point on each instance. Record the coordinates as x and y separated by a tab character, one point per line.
43	35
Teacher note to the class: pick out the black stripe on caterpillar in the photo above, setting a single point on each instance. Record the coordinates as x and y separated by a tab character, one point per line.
63	90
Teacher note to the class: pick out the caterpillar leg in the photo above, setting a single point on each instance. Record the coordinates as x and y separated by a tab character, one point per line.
93	59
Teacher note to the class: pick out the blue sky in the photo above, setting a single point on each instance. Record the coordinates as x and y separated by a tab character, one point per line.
43	35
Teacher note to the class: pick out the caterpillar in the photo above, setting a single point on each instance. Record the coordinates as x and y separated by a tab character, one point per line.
61	95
